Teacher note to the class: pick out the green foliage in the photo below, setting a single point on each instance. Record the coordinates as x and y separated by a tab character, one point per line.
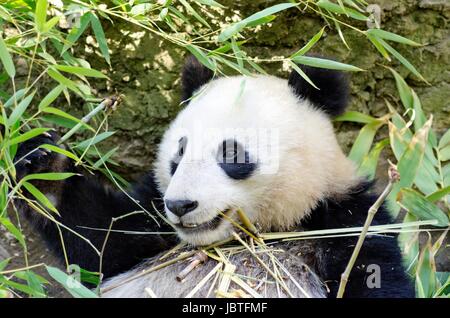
34	31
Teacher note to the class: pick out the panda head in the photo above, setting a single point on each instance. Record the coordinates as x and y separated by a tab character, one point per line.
261	144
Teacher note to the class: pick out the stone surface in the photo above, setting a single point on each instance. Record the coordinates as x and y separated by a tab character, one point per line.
146	69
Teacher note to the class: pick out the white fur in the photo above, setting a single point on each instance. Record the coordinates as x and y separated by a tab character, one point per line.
304	166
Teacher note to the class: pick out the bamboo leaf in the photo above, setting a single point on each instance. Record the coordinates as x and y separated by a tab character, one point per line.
94	140
419	206
40	15
49	176
57	76
191	10
379	46
436	196
77	70
63	114
6	59
403	89
445	139
426	269
201	57
310	44
323	63
391	37
28	135
14	231
210	3
355	117
445	153
75	33
303	74
51	96
335	8
60	150
369	164
20	109
402	59
74	287
237	27
39	196
100	37
363	142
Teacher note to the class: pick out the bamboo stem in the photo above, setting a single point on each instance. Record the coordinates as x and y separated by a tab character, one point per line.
393	178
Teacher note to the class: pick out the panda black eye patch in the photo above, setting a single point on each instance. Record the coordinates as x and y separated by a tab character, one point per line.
234	160
182	144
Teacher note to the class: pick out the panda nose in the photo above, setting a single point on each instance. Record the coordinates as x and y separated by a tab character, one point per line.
181	207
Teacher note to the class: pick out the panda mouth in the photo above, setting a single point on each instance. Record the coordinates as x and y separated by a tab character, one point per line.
205	226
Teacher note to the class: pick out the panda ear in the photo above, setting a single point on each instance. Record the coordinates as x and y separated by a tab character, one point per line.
194	75
332	98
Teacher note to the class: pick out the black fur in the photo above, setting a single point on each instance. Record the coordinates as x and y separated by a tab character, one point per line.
86	202
332	98
194	75
380	250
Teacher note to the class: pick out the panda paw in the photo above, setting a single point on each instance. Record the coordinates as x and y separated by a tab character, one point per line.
30	158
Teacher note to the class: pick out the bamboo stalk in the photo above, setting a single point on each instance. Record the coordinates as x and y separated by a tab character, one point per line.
393	178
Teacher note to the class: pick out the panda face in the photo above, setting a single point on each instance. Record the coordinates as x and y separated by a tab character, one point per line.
246	143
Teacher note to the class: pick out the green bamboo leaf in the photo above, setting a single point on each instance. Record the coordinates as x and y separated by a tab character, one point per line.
77	70
419	206
391	37
104	158
302	74
51	96
335	8
141	8
14	231
60	150
403	89
51	23
445	139
28	135
263	20
63	114
355	117
100	36
94	140
20	109
6	59
402	59
191	10
74	287
201	57
323	63
310	44
4	263
445	153
379	46
364	141
210	3
237	53
436	196
412	157
35	192
75	33
237	27
369	164
40	15
35	282
16	97
426	271
17	286
49	176
57	76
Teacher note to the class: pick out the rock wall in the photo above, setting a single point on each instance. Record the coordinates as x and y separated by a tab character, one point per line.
146	68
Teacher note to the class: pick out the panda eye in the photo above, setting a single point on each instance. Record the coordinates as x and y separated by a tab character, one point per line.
182	143
228	152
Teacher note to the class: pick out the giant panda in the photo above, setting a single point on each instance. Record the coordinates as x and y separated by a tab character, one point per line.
292	176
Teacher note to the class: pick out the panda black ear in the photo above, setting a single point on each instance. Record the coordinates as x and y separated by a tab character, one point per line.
194	75
333	96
